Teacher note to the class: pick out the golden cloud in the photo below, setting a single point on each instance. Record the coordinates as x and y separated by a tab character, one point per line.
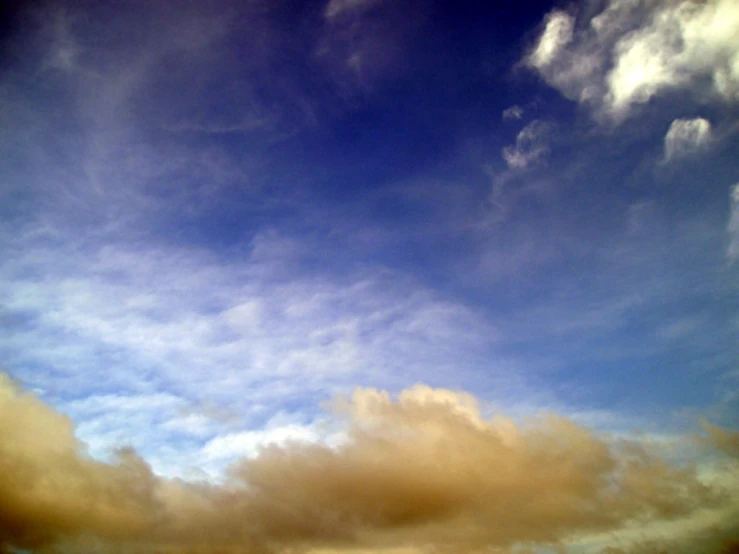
423	472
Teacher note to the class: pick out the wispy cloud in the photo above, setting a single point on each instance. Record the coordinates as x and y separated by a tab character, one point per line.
338	8
514	112
111	314
532	145
360	50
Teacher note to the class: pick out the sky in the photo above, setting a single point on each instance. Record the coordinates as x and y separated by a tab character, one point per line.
371	276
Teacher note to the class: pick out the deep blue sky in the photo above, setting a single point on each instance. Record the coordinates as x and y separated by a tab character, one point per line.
246	208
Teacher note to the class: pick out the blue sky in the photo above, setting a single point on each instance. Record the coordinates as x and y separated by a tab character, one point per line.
217	217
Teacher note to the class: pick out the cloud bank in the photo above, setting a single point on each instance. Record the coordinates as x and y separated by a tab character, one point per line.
631	52
423	469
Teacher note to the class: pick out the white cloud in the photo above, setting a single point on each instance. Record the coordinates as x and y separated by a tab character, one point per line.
193	424
228	447
632	52
686	136
147	334
532	146
514	112
64	50
337	8
557	34
733	228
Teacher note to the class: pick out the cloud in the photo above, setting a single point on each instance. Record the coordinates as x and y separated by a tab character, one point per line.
733	228
63	51
514	112
557	34
723	440
361	47
104	338
424	468
631	52
338	8
686	136
50	489
532	146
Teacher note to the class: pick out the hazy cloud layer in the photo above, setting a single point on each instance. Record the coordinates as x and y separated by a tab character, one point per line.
632	51
421	469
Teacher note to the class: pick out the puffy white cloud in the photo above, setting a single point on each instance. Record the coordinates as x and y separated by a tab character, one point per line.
686	136
633	51
532	145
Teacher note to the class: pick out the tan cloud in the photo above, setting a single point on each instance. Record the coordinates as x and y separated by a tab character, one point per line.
723	440
49	489
423	472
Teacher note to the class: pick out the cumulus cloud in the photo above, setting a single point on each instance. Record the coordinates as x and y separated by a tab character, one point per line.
733	228
50	489
686	136
422	469
532	146
631	52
